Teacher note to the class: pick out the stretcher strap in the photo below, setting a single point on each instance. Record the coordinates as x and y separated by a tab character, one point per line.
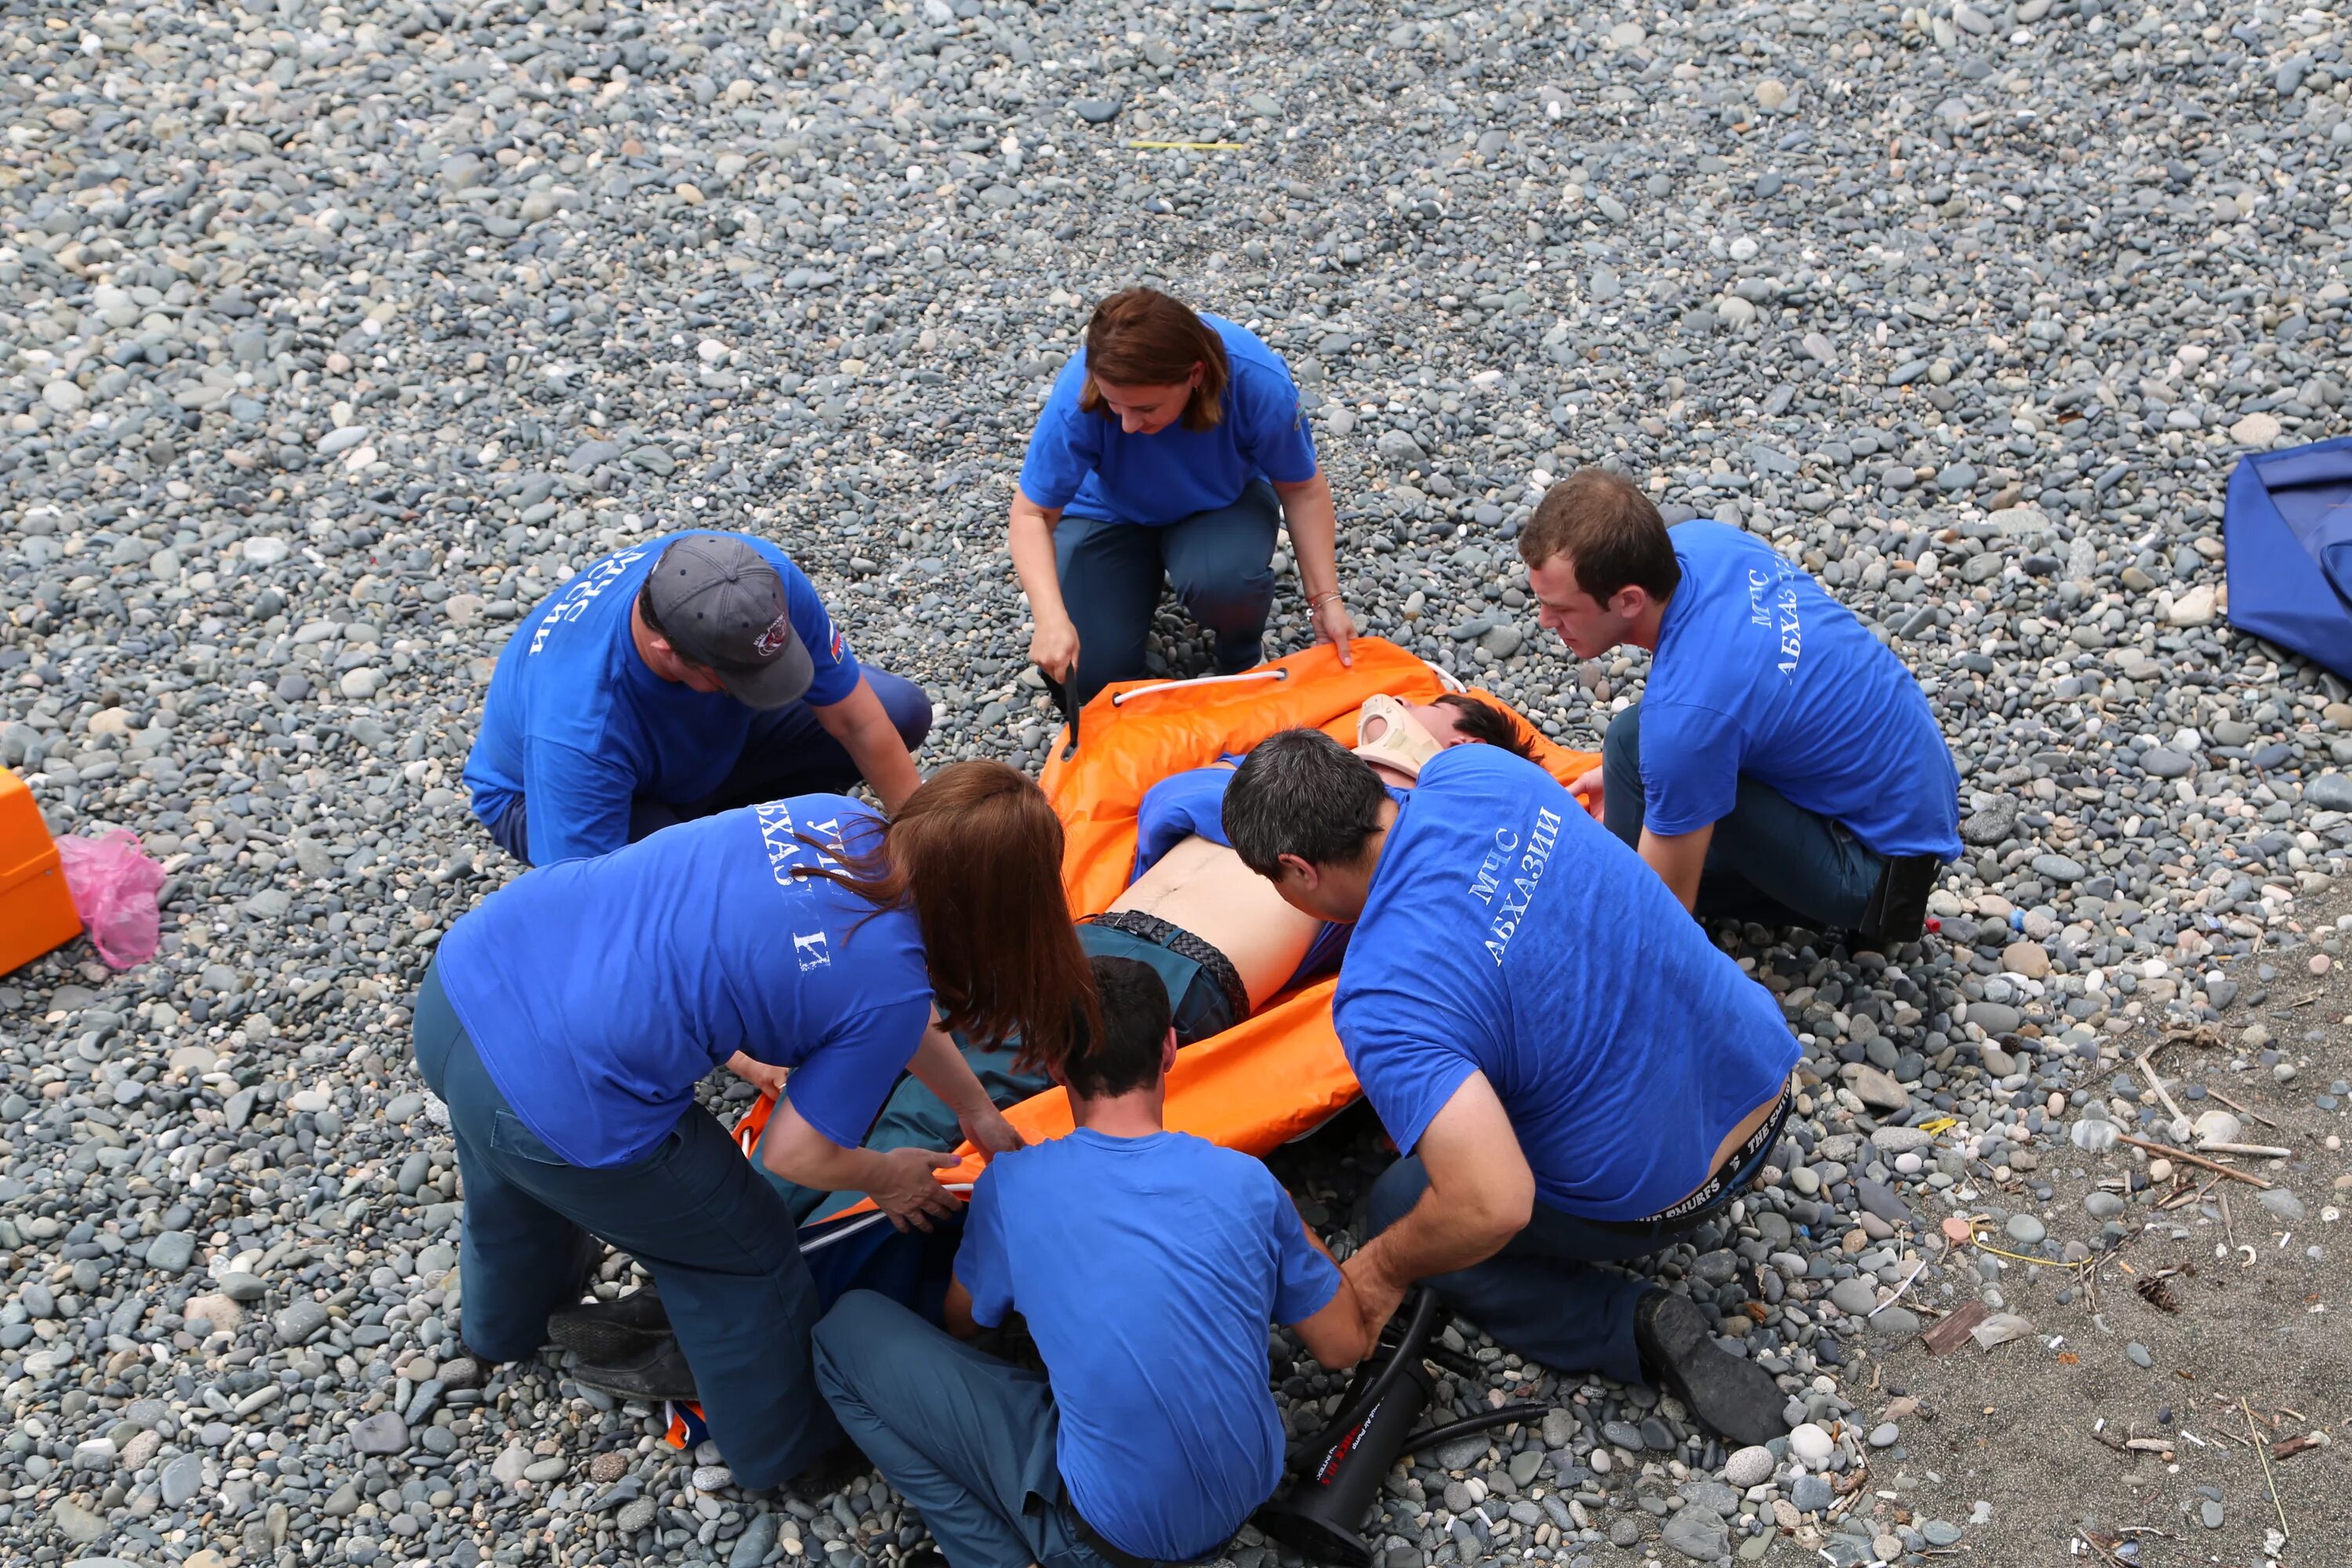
1119	698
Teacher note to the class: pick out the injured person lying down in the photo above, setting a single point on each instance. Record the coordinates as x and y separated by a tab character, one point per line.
1218	935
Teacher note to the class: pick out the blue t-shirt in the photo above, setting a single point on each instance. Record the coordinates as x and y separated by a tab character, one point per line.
1087	465
1759	672
575	721
1508	934
600	991
1192	805
1148	1269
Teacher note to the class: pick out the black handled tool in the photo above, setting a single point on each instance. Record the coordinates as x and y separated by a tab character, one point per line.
1339	1468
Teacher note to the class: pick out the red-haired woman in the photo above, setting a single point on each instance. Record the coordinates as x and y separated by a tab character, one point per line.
1172	445
568	1019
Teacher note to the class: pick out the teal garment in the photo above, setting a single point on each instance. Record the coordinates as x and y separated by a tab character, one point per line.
915	1118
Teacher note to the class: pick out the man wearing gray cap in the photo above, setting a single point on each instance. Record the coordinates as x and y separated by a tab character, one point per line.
675	679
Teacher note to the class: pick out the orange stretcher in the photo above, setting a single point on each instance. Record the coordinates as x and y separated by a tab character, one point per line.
1280	1073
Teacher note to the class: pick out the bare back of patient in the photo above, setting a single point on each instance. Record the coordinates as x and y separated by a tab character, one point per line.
1206	889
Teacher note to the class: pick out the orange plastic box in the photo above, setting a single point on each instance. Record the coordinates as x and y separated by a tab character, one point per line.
36	912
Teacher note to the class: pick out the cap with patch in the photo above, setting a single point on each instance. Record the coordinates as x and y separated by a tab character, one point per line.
721	605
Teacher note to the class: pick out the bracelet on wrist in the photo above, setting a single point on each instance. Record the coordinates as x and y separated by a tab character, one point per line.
1317	601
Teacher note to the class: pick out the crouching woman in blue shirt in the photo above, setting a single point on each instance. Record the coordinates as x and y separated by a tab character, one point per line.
1172	444
568	1019
1147	1264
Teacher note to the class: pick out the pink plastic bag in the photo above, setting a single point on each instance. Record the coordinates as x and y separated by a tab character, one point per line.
114	884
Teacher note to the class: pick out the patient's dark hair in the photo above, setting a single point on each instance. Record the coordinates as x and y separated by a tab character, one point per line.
1123	1056
1301	792
1487	724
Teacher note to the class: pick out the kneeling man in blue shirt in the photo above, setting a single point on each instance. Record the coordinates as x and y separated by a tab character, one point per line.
672	680
1782	764
1573	1072
1147	1264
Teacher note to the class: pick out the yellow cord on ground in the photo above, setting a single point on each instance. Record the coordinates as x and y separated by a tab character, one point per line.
2021	1258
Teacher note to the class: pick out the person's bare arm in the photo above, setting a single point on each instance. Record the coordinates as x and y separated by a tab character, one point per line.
1481	1194
1335	1335
899	1181
941	1069
1309	511
1678	859
863	726
763	1076
1054	644
956	1311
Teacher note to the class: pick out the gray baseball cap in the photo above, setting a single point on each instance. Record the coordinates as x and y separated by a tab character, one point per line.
721	605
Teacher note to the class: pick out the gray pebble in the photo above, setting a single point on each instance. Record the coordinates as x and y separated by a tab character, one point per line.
2281	1203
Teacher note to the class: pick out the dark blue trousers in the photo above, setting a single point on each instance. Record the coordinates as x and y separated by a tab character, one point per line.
1540	1296
788	753
968	1440
1819	874
1220	563
715	1237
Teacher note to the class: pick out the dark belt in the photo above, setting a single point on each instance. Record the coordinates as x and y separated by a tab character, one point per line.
1035	1504
1184	944
1713	1192
1117	1558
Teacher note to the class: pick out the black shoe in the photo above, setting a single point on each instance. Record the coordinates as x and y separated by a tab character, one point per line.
831	1472
612	1333
659	1373
1730	1397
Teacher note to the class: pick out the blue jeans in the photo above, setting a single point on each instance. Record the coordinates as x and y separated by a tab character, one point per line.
788	753
967	1439
714	1236
1819	874
1219	562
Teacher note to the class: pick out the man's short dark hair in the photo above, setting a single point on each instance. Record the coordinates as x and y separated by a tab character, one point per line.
1123	1056
1487	724
646	611
1301	792
1611	535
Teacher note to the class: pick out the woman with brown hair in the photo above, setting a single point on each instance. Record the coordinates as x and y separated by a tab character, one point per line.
1172	445
568	1019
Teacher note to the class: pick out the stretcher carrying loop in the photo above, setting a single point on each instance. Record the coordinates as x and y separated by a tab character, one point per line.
1119	698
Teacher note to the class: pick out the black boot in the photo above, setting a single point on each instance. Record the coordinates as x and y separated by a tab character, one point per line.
615	1331
1730	1397
659	1373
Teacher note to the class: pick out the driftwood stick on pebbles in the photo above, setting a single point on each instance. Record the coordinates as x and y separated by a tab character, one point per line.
2169	1152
